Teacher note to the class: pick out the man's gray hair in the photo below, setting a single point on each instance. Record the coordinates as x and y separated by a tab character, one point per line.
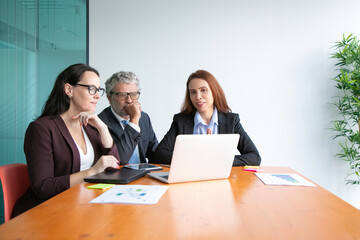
121	77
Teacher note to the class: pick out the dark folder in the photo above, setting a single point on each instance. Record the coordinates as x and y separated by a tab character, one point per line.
120	176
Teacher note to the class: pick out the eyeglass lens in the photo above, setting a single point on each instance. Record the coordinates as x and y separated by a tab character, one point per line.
93	90
124	95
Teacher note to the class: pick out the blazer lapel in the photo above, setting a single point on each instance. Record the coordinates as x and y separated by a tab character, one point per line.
188	124
223	126
114	123
70	141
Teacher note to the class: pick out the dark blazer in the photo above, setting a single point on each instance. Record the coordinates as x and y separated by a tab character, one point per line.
127	139
228	123
51	156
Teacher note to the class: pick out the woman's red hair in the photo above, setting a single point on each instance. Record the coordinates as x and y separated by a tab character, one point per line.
218	93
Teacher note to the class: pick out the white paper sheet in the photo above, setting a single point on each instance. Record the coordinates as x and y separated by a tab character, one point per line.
132	194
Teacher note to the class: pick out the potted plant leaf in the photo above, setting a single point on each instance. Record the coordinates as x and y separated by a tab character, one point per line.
347	127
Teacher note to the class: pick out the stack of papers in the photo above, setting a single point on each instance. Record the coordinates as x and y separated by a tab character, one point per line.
132	194
291	179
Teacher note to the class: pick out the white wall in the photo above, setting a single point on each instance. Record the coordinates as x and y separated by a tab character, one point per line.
271	58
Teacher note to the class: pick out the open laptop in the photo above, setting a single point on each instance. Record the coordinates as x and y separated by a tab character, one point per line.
200	157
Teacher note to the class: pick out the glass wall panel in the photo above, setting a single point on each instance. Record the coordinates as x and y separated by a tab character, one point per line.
38	39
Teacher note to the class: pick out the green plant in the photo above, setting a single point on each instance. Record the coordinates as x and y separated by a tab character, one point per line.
348	103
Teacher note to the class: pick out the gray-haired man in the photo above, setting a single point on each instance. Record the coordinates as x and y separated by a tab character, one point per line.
130	127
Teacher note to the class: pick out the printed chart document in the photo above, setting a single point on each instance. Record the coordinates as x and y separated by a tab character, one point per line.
291	179
132	194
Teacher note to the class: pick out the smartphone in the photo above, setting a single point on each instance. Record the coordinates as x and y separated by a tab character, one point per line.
144	166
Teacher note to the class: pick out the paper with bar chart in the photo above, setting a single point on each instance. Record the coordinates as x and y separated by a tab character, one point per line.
290	179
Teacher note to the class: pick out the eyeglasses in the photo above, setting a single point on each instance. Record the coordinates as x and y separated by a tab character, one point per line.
123	95
92	89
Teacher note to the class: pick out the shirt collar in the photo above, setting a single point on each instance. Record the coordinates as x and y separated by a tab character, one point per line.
214	119
118	117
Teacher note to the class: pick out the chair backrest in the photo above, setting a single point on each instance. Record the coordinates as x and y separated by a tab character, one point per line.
15	181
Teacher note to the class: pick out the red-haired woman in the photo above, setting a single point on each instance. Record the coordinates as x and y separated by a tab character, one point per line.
205	111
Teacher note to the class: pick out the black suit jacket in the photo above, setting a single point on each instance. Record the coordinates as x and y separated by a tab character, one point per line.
127	139
228	123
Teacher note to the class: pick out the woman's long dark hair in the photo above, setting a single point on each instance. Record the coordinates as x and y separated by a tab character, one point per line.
218	93
58	102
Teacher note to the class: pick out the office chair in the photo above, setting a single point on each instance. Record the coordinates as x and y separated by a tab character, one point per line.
15	181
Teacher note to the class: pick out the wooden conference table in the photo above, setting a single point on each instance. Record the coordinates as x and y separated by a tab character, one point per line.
241	207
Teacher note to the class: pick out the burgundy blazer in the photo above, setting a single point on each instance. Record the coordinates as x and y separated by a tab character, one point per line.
51	156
